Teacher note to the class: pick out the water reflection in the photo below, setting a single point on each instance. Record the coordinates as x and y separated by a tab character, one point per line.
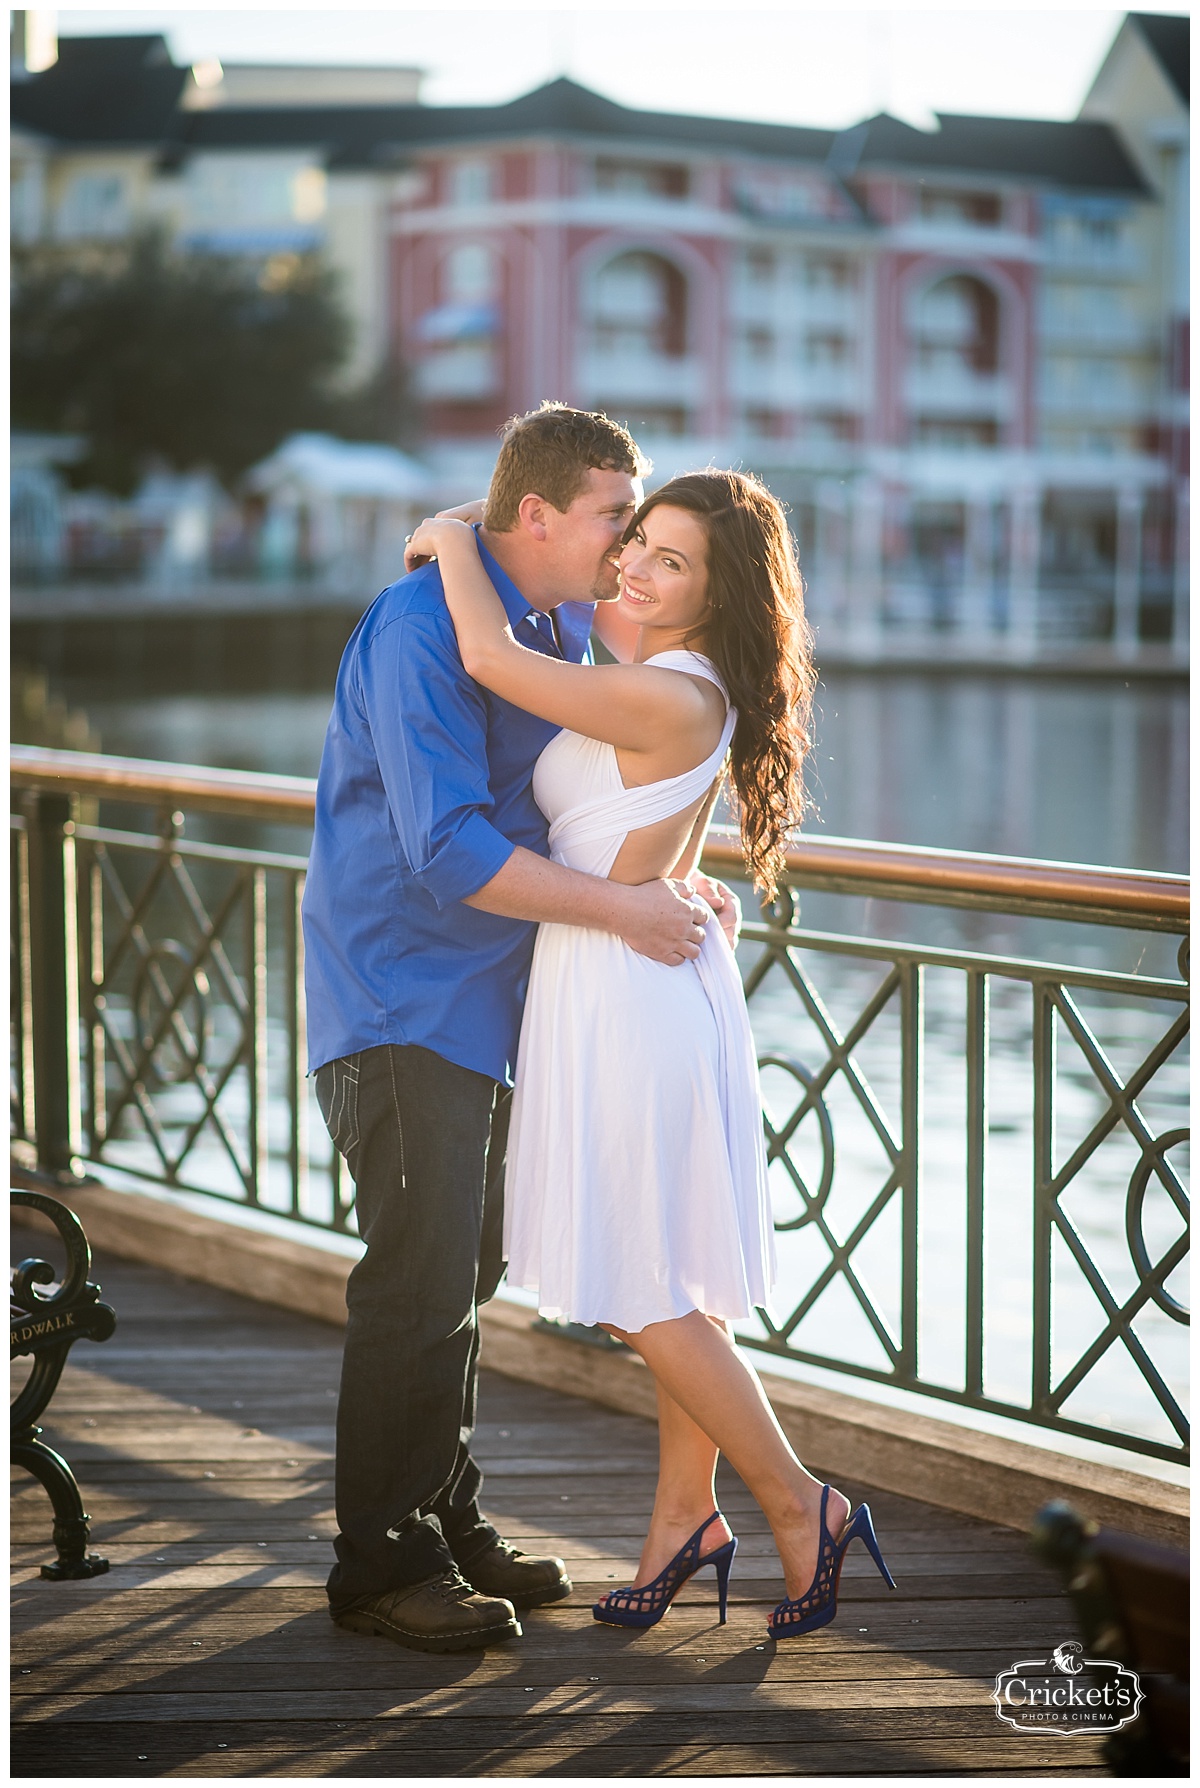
1089	772
1083	771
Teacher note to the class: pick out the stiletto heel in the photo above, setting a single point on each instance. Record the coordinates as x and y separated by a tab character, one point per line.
864	1530
818	1605
723	1560
646	1606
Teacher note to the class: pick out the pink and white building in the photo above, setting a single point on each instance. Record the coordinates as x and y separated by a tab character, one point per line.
959	354
952	352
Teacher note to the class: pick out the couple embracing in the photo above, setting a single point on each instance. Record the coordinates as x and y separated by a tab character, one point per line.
504	889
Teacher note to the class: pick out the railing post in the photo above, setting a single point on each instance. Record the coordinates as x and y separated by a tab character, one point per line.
977	1143
54	974
297	1048
912	1037
1044	1075
256	987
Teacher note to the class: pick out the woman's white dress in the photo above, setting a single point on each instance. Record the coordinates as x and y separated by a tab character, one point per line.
636	1185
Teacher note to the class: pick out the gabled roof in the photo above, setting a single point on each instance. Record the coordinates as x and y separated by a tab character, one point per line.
1080	153
561	108
103	90
564	108
125	90
1169	36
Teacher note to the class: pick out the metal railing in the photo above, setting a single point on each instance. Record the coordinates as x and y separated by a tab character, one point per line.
939	1230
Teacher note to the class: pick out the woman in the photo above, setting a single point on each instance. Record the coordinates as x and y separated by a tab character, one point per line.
636	1193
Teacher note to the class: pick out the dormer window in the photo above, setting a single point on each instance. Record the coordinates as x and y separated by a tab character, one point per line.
640	179
979	210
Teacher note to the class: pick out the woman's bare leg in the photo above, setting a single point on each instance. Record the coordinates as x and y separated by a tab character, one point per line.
685	1495
698	1368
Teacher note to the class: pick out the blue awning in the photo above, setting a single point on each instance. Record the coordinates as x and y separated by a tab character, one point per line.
459	322
252	240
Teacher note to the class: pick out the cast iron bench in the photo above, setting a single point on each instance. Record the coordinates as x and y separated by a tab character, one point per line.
1132	1604
47	1325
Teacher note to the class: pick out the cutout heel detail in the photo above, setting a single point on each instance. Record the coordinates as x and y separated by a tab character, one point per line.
818	1605
646	1606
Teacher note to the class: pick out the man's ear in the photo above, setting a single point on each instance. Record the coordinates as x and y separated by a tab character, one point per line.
531	514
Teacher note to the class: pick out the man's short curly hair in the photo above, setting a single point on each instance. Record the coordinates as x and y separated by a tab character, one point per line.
550	452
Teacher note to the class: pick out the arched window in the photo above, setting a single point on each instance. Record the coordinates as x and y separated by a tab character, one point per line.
640	306
469	274
956	326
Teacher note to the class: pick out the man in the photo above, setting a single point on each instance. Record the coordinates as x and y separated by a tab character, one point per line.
429	866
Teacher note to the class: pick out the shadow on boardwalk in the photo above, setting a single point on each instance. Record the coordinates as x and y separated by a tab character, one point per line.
202	1434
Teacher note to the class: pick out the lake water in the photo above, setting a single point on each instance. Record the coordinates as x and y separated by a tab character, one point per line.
1093	771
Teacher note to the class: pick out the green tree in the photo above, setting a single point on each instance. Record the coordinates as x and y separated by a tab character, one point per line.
189	358
382	408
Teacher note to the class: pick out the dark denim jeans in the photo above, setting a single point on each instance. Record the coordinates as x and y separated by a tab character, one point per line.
424	1141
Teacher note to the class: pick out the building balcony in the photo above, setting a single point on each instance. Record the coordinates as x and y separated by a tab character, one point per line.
834	307
1116	334
964	239
789	307
838	387
792	387
1088	398
943	391
1121	260
625	210
627	377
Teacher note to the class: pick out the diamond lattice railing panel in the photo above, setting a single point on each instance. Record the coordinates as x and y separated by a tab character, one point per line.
977	1164
834	1196
174	1002
837	1054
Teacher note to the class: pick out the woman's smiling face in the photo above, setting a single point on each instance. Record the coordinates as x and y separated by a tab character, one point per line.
664	572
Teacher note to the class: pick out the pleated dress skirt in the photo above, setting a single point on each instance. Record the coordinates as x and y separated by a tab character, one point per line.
636	1185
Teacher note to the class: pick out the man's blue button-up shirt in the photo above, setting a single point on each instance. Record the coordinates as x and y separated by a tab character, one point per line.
423	793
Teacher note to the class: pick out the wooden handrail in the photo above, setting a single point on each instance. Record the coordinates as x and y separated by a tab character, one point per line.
900	871
144	780
836	865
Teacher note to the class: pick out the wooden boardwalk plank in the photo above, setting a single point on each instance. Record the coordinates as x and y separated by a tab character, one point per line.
132	1752
203	1435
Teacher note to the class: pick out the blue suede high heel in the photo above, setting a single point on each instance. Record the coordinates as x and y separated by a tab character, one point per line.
818	1605
646	1606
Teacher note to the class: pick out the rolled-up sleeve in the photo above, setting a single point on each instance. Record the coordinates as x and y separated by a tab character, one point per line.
429	726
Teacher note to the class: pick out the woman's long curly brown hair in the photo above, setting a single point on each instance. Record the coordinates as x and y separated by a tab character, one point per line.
757	637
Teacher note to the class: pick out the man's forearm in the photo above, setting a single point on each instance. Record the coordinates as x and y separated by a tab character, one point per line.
532	887
655	918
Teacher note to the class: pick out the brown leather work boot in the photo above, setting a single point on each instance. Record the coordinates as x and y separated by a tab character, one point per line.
528	1582
442	1614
